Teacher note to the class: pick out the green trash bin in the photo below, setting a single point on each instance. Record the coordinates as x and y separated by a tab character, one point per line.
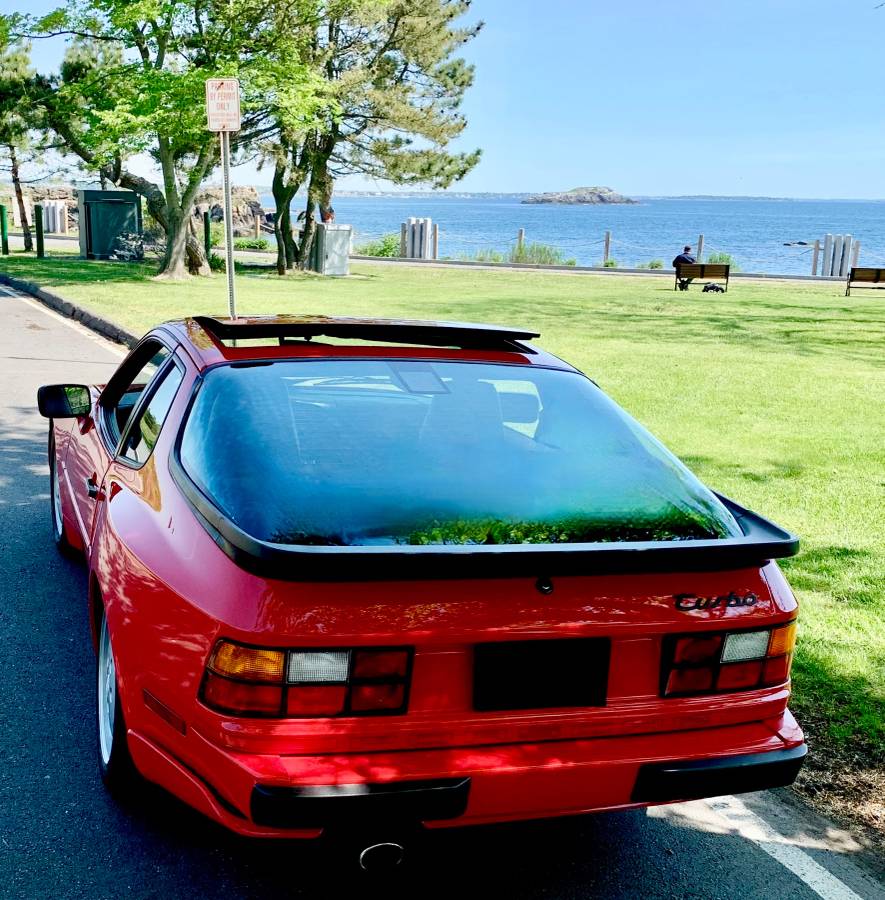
103	217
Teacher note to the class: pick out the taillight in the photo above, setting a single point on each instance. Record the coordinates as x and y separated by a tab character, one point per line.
259	681
727	661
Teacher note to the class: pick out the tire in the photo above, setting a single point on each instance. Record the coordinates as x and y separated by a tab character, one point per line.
56	504
115	764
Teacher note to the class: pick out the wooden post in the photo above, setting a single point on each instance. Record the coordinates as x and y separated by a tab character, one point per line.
4	231
845	259
207	235
827	265
436	240
403	240
855	254
38	227
63	212
410	238
815	256
257	231
837	255
699	256
520	238
607	248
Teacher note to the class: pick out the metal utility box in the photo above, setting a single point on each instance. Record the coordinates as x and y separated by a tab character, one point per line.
330	254
103	217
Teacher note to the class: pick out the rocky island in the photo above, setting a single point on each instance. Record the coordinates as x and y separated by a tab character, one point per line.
580	195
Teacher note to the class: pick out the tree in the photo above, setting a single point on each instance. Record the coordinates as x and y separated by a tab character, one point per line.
392	71
16	119
151	99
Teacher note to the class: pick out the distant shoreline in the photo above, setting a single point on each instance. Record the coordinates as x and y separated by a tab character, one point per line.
519	195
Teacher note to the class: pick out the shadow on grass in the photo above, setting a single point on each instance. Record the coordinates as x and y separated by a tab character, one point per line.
54	271
771	469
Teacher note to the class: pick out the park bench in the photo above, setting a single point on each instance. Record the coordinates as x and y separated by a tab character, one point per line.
703	273
861	277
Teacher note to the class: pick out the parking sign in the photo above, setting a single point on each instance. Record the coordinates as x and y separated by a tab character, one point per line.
223	104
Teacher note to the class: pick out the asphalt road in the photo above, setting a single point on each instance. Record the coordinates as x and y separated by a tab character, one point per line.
62	836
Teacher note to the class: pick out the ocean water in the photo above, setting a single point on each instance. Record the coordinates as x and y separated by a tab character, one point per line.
753	231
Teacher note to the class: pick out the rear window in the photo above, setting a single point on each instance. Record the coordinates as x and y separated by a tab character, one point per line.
361	452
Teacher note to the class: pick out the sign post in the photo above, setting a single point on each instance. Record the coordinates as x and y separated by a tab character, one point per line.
223	116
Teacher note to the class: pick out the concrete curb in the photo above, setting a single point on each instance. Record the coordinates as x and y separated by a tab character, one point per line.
95	323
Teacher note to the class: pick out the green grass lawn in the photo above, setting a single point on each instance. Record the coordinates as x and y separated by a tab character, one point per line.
774	394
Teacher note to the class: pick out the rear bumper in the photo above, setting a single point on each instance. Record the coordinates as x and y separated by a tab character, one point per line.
299	796
691	779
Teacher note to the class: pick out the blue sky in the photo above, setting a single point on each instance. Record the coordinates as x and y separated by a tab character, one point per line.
777	98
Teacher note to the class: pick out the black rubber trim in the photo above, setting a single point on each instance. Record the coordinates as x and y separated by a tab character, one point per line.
322	806
697	778
761	541
439	334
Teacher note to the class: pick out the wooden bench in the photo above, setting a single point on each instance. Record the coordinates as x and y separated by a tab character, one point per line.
703	273
872	278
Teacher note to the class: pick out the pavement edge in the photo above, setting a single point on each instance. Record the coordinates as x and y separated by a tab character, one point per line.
95	323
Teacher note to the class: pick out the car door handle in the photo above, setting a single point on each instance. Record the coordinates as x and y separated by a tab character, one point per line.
92	488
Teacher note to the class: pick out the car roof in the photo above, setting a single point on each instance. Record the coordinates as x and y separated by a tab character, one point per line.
211	340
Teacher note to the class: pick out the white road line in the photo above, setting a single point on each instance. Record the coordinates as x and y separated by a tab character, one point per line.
64	320
754	828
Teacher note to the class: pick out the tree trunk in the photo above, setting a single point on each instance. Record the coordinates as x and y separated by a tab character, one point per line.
319	195
307	235
284	190
16	183
288	239
174	264
197	264
281	198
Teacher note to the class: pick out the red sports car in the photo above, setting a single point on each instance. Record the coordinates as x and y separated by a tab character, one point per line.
394	574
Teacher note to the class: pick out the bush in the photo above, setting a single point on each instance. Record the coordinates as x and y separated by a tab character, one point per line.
527	254
128	246
656	264
484	256
538	255
251	243
610	264
725	259
216	263
216	233
386	246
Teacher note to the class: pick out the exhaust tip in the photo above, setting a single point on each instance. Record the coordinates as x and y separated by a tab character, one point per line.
381	857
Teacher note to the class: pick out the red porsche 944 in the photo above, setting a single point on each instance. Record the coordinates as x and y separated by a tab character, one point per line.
409	574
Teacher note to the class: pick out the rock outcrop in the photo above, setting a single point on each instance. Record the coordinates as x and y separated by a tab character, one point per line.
580	195
245	203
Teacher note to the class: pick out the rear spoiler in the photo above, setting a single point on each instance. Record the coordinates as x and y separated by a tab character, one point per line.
761	541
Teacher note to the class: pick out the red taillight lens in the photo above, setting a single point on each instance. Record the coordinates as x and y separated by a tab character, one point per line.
703	649
739	675
728	661
375	697
316	700
777	670
689	681
241	697
380	663
260	681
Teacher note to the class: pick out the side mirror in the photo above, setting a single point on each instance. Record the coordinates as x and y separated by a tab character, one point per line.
64	401
523	409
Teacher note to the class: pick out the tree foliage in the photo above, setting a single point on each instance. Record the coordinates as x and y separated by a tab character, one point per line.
147	95
328	88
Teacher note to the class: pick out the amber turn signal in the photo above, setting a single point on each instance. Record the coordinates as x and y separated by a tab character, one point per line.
247	663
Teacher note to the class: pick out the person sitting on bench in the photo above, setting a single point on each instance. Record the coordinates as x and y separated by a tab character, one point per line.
684	258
